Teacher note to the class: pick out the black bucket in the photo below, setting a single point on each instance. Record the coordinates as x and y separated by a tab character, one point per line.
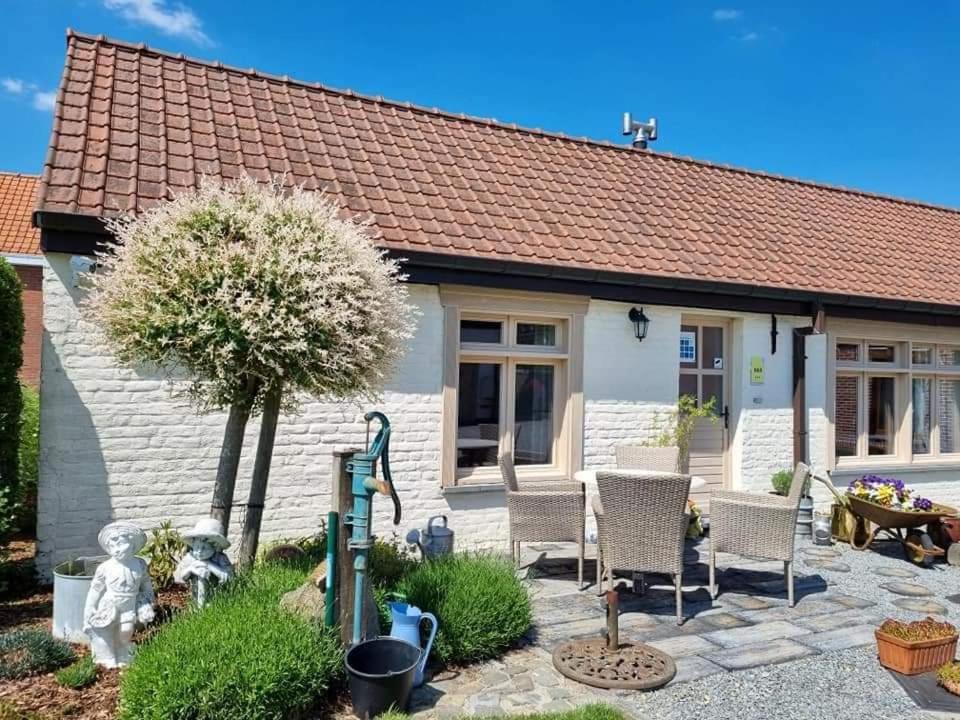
381	674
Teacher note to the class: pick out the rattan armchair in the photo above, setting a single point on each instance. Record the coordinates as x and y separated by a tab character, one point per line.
544	512
640	457
641	524
756	525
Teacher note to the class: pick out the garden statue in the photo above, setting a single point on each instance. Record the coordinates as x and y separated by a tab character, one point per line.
120	594
205	565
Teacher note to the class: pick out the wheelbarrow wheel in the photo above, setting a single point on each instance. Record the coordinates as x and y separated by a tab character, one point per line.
916	548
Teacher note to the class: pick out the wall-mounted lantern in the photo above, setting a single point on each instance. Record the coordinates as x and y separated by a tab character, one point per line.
640	322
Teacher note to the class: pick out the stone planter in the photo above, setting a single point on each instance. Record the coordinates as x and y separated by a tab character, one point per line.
71	581
912	657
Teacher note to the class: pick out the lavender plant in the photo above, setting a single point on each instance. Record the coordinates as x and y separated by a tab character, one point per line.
258	295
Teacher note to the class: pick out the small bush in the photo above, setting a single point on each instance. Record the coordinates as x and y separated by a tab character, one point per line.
26	496
481	606
162	552
32	651
82	673
9	711
389	562
239	658
781	481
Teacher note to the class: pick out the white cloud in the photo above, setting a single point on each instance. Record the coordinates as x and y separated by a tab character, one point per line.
45	100
178	21
13	85
726	14
750	36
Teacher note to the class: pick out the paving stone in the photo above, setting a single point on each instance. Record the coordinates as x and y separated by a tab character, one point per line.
753	634
841	638
638	620
836	620
827	564
723	621
821	552
908	589
557	706
849	601
684	645
745	602
694	667
577	628
894	571
495	678
805	607
764	653
918	605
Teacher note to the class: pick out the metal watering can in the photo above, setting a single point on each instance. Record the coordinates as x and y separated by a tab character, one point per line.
406	626
434	541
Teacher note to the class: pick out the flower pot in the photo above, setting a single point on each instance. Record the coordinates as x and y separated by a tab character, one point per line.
912	657
71	581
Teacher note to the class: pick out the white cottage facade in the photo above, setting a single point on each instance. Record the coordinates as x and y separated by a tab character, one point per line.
524	345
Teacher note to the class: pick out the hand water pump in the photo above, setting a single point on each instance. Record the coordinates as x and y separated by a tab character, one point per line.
364	484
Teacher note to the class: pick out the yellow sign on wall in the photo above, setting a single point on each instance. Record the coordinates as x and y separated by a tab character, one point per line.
756	370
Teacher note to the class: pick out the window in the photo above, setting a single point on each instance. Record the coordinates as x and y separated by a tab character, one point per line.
512	385
883	390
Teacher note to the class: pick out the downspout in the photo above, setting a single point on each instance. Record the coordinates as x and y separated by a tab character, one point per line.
801	451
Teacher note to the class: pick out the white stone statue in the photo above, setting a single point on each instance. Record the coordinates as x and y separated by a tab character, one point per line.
205	566
120	594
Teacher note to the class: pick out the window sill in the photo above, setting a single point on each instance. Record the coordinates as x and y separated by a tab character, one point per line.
894	465
471	489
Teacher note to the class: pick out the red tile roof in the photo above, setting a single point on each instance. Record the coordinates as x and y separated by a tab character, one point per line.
133	125
18	194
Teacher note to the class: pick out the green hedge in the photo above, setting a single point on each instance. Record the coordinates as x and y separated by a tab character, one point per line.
240	658
11	357
29	454
481	605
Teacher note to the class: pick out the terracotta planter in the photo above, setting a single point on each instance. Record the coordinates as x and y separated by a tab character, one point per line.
912	657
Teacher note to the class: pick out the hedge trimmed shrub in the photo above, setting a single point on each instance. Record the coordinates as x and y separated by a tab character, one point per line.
481	605
11	357
239	658
32	651
29	466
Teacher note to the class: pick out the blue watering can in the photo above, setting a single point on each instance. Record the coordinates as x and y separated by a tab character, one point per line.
406	626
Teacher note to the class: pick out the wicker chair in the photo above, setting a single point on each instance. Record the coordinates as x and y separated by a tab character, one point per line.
544	512
640	457
641	524
755	525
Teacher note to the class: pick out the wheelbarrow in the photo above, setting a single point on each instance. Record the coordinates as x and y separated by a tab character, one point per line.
871	520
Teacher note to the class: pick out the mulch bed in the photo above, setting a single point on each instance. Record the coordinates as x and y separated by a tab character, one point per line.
28	604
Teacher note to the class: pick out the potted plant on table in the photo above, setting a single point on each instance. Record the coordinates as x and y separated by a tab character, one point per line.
915	647
781	481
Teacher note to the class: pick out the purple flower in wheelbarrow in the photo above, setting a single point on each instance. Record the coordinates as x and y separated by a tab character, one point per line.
922	504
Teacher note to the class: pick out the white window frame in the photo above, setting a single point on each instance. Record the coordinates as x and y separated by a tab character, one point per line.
566	356
904	371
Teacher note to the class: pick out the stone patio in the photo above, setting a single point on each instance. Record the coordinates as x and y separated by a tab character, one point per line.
842	595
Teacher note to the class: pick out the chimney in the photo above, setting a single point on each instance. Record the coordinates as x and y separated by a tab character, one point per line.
643	132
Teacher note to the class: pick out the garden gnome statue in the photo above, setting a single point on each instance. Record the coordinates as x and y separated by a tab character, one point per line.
120	595
205	565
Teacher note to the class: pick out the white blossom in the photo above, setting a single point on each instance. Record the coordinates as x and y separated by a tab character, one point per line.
247	283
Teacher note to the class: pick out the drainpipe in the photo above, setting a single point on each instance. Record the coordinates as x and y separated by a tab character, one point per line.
800	446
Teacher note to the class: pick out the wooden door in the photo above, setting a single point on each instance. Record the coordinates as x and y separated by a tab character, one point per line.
704	361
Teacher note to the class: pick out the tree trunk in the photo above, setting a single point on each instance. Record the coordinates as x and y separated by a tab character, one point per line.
258	483
229	463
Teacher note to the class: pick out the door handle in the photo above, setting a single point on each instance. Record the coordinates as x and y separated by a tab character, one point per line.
726	417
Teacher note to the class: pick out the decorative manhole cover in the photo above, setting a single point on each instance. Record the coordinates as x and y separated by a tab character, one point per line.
820	552
898	572
919	605
632	667
907	588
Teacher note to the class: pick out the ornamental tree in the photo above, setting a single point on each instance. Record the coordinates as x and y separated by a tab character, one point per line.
260	295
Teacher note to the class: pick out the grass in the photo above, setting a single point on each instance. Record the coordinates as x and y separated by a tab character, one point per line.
481	606
82	673
239	658
585	712
30	652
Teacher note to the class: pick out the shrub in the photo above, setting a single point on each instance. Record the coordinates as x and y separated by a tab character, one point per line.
239	658
926	629
82	673
781	481
481	606
32	651
29	452
11	357
162	552
389	562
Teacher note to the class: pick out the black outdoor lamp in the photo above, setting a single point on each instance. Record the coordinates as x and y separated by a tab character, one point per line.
640	322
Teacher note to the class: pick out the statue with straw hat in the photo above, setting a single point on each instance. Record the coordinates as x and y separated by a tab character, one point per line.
205	566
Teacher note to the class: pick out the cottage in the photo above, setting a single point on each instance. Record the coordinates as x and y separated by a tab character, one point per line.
20	246
824	323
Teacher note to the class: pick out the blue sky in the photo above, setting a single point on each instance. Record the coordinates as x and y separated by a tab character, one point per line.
857	94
